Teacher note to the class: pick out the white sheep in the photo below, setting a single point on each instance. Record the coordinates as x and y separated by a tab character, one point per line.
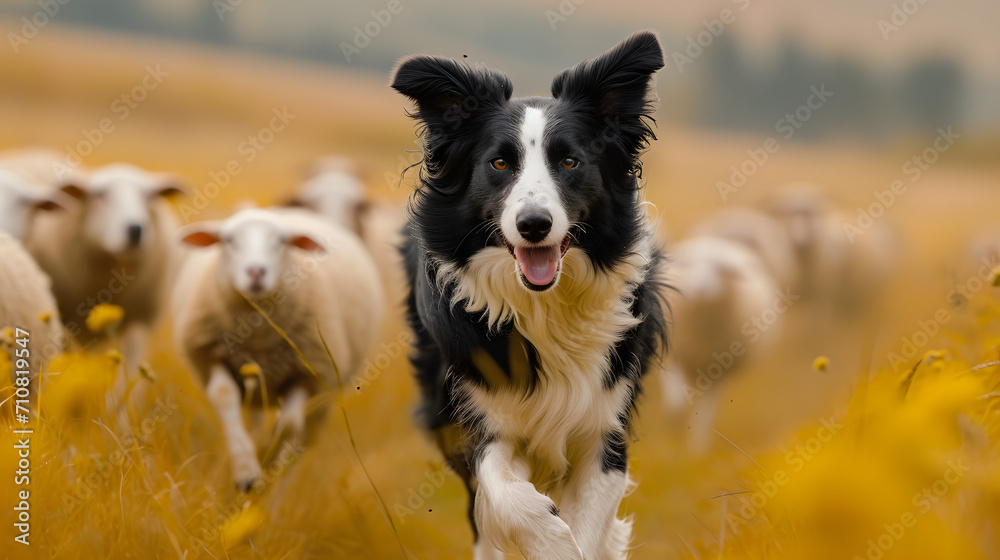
760	233
114	246
334	190
42	166
27	304
310	277
27	184
719	287
841	263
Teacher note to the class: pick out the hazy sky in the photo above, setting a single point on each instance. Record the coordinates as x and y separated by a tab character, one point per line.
532	39
966	28
969	29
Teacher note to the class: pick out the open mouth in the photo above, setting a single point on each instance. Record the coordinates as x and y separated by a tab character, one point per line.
539	266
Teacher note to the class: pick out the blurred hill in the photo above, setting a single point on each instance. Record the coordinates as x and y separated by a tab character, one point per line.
741	72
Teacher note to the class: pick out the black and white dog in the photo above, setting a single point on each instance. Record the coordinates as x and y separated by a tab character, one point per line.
534	297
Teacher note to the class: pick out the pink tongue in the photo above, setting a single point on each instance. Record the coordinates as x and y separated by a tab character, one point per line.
538	264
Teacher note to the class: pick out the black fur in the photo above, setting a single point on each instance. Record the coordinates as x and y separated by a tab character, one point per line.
599	114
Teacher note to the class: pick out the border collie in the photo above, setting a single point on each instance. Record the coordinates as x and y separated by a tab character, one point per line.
533	292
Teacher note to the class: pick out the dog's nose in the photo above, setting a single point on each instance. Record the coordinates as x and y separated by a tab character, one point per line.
134	235
534	225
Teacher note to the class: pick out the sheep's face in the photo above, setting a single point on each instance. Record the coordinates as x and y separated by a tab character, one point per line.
802	213
18	202
802	227
255	250
116	201
335	195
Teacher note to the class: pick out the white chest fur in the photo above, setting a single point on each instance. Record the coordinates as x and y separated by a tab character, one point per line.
574	327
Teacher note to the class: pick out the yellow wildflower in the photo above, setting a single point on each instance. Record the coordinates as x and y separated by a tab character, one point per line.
250	369
104	316
240	528
821	363
78	390
115	356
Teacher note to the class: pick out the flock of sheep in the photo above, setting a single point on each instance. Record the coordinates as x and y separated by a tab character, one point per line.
297	293
293	293
737	274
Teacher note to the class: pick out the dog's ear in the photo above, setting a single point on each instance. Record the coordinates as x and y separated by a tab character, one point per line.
615	85
616	82
449	94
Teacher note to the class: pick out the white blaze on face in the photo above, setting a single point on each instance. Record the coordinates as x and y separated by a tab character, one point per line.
535	192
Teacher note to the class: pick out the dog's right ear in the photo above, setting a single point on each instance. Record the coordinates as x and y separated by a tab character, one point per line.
449	94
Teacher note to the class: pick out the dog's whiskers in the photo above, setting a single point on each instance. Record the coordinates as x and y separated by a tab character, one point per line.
494	228
471	231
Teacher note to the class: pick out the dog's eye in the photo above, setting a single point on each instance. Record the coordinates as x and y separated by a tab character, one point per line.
569	163
499	164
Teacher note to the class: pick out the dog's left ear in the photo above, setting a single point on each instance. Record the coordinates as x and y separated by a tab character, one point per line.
615	85
449	94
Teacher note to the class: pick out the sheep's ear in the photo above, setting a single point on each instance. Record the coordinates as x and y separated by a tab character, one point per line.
199	235
448	93
170	190
74	190
201	239
306	243
170	185
616	82
45	203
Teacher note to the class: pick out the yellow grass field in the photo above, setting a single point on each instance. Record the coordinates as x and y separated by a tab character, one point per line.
810	464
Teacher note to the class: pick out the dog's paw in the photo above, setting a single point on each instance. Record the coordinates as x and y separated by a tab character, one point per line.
556	542
532	527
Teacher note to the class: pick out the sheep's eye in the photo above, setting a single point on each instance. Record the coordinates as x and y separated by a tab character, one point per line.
227	239
569	163
499	164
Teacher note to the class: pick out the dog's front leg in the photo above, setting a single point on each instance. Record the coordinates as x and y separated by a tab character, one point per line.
511	515
590	502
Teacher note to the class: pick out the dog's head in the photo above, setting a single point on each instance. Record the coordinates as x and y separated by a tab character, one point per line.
537	175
